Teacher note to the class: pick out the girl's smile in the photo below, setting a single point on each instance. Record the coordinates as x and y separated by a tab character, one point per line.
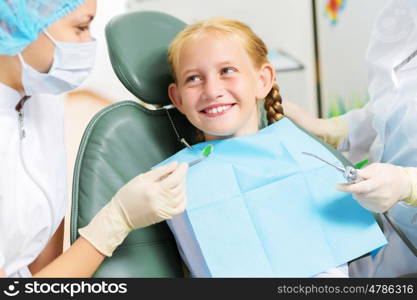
216	110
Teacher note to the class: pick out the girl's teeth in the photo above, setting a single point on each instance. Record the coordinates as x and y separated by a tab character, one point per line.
216	110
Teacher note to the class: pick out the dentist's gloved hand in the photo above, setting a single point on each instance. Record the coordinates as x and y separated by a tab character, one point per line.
383	186
332	131
148	198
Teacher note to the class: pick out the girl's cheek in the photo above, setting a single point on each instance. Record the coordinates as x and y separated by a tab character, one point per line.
190	98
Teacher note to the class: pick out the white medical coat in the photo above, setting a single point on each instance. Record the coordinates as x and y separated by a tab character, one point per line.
32	178
385	130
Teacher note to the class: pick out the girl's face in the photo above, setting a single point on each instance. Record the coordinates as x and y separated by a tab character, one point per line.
218	85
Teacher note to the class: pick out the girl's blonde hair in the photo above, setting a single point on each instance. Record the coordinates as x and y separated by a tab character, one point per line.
254	46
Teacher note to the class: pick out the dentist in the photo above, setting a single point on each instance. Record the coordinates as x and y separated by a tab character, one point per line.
385	132
45	50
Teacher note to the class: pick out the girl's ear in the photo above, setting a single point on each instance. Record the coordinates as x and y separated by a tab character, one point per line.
265	80
174	95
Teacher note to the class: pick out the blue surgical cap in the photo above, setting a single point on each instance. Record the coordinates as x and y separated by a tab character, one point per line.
21	21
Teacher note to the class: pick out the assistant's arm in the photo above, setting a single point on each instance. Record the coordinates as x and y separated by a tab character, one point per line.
80	260
147	199
51	251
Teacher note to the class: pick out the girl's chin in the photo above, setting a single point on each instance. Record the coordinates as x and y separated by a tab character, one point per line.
217	134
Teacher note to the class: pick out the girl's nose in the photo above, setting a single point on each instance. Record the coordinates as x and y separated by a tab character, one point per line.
213	88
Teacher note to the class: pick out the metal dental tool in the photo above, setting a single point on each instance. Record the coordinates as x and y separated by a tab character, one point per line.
180	139
205	152
350	173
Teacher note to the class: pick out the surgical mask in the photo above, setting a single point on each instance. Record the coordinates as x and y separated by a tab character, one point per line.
71	66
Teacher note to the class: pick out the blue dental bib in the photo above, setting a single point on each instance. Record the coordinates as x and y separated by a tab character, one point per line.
257	207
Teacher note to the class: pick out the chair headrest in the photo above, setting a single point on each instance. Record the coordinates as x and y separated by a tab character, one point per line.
138	44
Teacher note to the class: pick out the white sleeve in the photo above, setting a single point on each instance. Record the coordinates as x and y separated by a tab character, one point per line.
361	133
22	273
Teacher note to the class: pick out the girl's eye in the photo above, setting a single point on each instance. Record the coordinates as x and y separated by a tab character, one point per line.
193	78
228	70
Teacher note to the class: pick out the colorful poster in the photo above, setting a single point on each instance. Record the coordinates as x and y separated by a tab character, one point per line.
333	9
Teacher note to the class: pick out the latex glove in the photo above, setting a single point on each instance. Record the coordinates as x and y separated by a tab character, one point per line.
149	198
383	186
332	131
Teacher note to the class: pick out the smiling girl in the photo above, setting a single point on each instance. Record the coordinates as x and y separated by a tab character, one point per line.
221	71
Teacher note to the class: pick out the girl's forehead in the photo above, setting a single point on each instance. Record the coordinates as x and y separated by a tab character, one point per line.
214	35
211	48
221	44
